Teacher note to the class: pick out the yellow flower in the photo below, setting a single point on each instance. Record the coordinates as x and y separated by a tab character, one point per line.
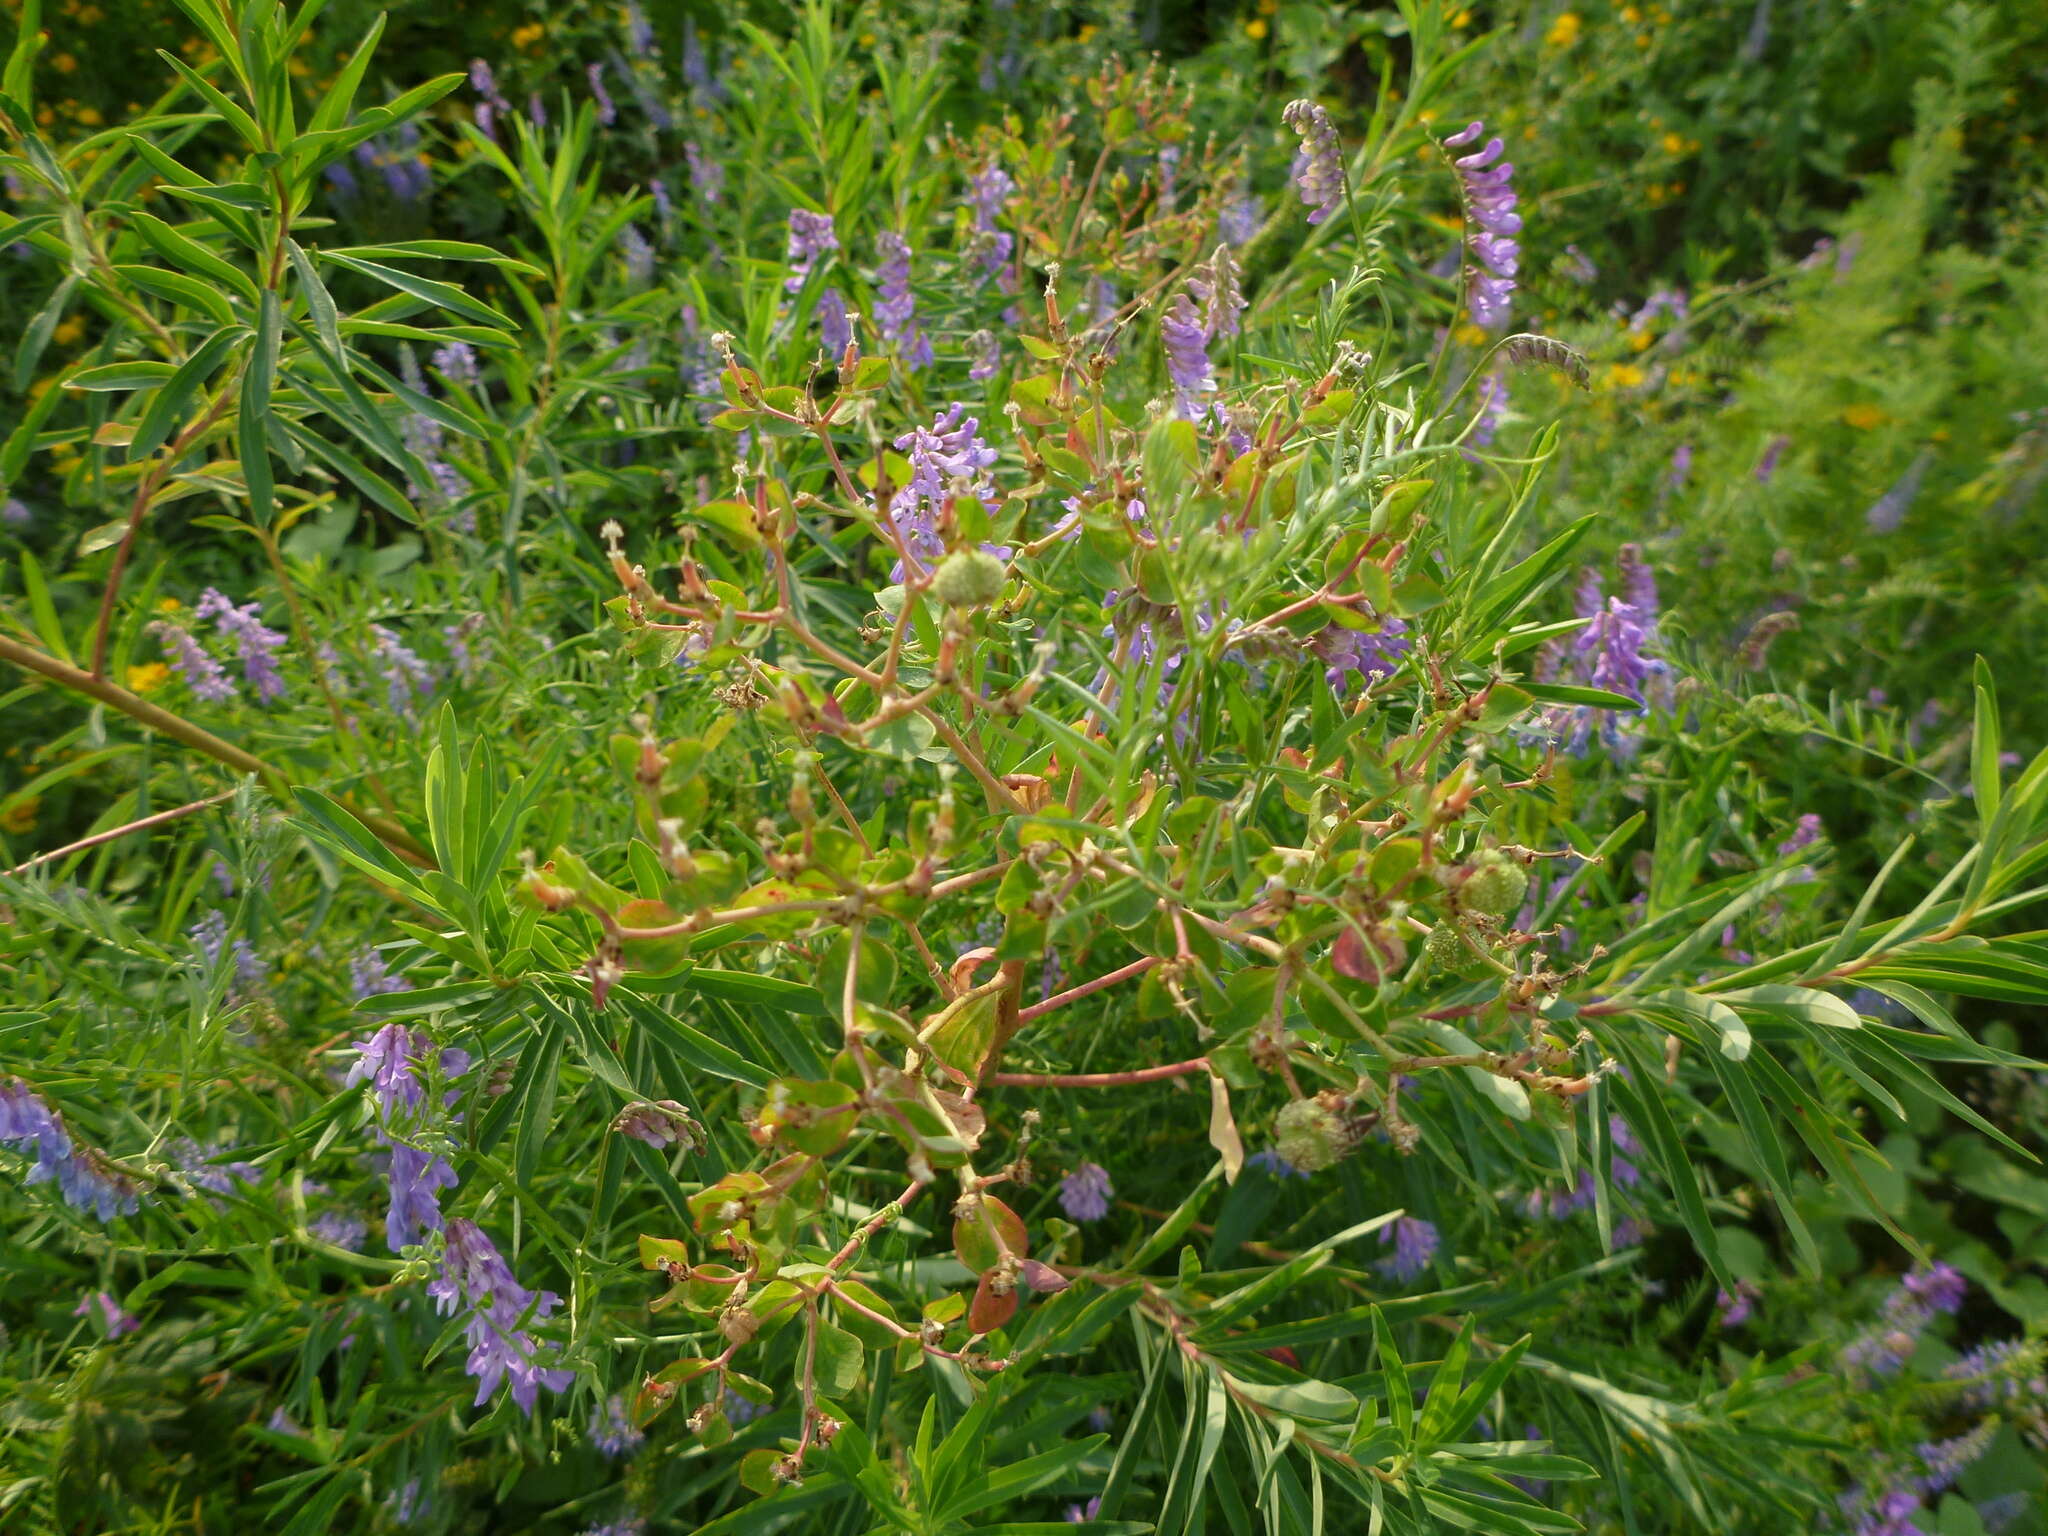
168	605
1631	15
1674	144
1624	376
528	35
1564	31
68	333
63	63
1460	21
20	817
1088	31
1471	335
1255	29
1864	417
1640	340
148	677
1268	7
90	116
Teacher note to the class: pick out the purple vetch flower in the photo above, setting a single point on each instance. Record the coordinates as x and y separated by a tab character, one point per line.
1947	1460
1319	165
536	110
405	675
417	1179
1270	1160
1938	1287
896	305
340	1229
1216	288
457	363
202	674
1737	1309
1664	301
1081	1514
1368	655
112	1319
1169	176
202	1172
664	209
987	190
696	68
740	1411
210	936
2003	1372
638	256
1767	466
948	454
1239	219
1187	356
1681	467
256	644
342	181
811	235
369	976
835	324
475	1278
85	1176
1085	1193
1890	509
390	1061
1415	1244
490	103
607	114
1580	268
1493	399
707	177
612	1431
638	30
661	1124
1488	183
987	355
14	513
1805	833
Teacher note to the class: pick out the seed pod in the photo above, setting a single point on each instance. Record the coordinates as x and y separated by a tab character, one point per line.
1495	886
1310	1135
1448	951
968	578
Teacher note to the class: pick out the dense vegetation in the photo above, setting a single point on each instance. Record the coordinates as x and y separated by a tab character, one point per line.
953	767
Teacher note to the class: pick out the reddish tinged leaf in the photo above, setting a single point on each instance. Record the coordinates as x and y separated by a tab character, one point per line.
989	1311
988	1231
1042	1278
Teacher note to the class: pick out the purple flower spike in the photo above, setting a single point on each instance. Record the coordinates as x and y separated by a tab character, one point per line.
1415	1243
1086	1192
202	674
811	235
115	1321
1187	356
1488	183
475	1278
896	305
1319	166
255	643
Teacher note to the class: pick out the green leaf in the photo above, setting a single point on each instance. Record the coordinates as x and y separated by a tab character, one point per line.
1984	745
178	288
167	409
253	421
36	335
444	295
138	374
174	246
1807	1004
840	1360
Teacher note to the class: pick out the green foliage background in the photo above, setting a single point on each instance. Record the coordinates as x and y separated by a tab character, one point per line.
1703	149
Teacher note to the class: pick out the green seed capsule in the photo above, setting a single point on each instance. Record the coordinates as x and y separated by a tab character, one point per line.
1310	1135
1496	886
1448	951
968	578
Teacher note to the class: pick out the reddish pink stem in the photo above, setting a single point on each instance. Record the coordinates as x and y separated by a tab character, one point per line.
1061	999
1098	1079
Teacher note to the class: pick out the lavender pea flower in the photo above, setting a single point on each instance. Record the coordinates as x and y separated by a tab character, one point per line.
1086	1192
